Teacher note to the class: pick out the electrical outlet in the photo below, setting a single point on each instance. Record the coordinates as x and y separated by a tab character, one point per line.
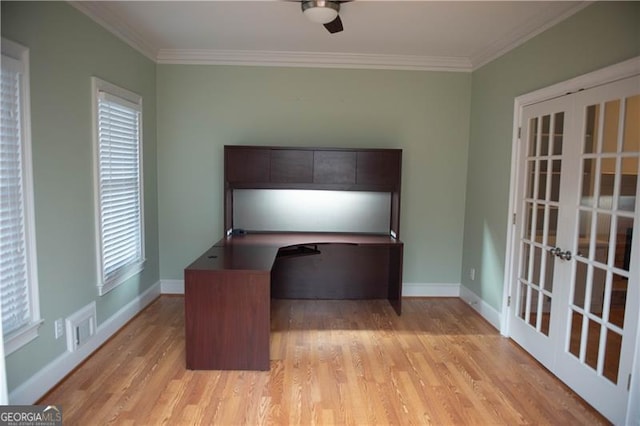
472	274
59	328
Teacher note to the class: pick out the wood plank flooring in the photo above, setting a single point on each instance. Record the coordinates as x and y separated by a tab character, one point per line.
332	362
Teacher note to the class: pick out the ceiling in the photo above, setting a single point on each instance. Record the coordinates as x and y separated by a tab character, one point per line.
424	35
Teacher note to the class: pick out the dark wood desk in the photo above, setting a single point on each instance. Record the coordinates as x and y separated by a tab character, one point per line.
229	288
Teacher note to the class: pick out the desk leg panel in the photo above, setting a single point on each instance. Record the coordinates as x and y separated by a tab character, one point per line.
395	277
227	320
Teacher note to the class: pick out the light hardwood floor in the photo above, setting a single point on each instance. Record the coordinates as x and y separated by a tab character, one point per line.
332	362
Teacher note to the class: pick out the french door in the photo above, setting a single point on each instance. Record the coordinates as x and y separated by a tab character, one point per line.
575	285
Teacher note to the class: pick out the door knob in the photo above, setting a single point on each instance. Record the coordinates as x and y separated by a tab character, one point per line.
557	252
565	255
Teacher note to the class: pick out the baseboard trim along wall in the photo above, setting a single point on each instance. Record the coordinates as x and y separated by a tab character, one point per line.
486	311
45	379
172	286
408	290
430	290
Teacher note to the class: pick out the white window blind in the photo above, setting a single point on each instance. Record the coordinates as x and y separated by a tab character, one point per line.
119	188
18	276
16	311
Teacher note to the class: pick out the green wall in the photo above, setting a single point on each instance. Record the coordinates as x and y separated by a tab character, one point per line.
202	108
66	49
600	35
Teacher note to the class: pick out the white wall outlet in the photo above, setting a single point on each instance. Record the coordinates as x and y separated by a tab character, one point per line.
472	274
59	328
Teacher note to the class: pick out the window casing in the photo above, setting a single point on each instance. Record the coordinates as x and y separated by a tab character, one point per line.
119	190
18	264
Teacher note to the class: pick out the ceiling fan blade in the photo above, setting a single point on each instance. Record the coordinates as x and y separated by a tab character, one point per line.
334	26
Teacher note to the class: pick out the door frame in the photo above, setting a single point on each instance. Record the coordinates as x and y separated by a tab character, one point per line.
605	75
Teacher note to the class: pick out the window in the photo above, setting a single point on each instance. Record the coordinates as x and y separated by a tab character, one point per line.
18	275
119	206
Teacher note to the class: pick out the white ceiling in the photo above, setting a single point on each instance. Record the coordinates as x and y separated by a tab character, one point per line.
429	35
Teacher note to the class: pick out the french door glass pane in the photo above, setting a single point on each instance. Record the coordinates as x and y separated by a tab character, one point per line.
553	224
525	261
591	129
537	261
544	139
542	183
522	300
603	229
598	285
584	232
593	344
533	317
618	300
624	232
531	174
580	284
546	317
628	184
576	334
533	137
528	230
540	226
588	181
612	355
610	133
632	125
607	181
555	180
558	133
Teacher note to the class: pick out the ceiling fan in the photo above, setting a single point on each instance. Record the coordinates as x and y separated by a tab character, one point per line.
324	12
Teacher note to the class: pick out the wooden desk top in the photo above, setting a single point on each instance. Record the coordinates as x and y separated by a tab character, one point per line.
258	251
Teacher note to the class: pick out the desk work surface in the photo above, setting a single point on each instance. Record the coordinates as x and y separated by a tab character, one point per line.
258	251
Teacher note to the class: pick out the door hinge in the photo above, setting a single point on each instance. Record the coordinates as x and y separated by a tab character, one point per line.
519	132
508	301
629	382
513	220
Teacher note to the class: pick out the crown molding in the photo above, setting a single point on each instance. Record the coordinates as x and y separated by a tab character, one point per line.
312	59
115	24
102	15
523	34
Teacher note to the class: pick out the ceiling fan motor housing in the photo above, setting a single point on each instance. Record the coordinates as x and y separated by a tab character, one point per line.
321	11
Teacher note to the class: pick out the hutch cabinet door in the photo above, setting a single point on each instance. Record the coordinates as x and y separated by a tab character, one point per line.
291	166
247	165
334	167
378	168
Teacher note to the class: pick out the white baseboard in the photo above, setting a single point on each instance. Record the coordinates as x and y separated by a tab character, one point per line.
408	289
45	379
487	311
172	286
430	290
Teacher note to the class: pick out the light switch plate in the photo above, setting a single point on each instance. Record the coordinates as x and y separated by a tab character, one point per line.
59	328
